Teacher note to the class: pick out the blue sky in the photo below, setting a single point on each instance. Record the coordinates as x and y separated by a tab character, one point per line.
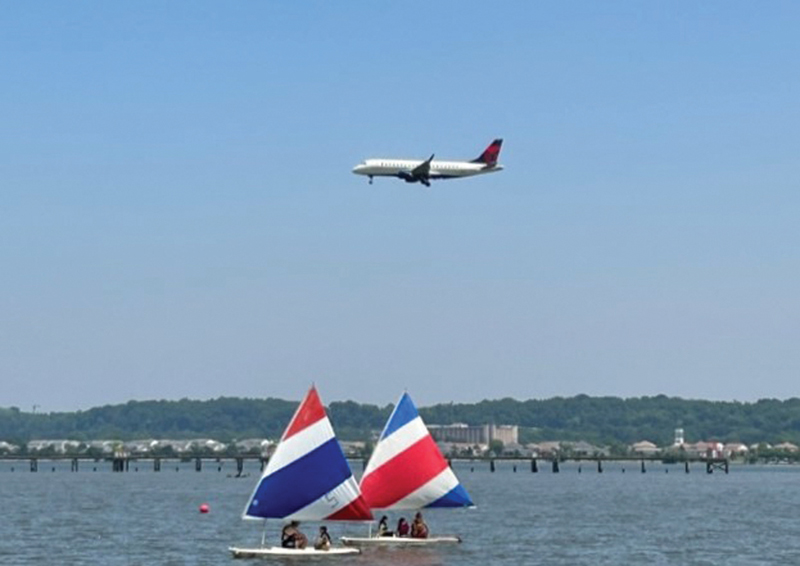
179	219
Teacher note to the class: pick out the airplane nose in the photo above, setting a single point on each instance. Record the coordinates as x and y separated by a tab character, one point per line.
358	168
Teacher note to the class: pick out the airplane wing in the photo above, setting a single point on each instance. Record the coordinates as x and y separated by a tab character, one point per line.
423	170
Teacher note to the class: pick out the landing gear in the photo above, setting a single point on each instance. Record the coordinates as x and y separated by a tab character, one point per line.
370	179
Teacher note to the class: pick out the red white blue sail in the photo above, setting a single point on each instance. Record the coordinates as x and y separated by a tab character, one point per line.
407	470
308	478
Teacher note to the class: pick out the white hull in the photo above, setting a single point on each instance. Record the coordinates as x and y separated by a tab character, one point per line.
265	551
399	541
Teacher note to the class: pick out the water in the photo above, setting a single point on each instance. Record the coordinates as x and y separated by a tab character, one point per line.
750	516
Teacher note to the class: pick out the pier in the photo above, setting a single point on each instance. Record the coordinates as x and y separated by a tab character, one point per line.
643	462
122	463
130	462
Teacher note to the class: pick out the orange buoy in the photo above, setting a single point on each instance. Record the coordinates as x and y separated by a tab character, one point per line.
204	508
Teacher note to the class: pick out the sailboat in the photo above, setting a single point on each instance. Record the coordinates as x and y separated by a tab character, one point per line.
408	472
306	479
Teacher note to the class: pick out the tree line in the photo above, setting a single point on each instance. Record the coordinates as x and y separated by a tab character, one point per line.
602	420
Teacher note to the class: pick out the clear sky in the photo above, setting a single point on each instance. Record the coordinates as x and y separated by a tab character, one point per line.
178	216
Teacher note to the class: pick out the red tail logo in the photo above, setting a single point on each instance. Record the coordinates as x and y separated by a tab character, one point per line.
491	153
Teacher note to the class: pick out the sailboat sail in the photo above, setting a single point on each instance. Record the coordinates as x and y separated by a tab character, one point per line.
407	470
308	478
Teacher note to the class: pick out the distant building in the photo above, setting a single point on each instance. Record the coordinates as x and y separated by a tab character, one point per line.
679	440
182	446
137	446
787	446
475	434
710	449
105	446
262	445
583	448
57	446
553	448
644	447
462	449
546	449
8	448
353	448
516	449
735	449
199	444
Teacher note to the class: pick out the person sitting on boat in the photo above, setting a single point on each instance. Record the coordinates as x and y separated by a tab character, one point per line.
291	537
402	527
383	527
323	541
418	528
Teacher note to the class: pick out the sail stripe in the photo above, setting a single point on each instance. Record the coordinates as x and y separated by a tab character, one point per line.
403	474
341	497
357	510
400	440
434	492
403	413
300	483
309	412
300	444
456	497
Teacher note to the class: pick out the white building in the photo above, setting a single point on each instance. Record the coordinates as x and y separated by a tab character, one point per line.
8	448
545	449
475	434
787	446
735	449
104	446
263	445
644	447
57	446
199	444
710	449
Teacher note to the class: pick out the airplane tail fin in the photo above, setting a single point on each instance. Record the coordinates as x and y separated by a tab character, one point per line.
491	153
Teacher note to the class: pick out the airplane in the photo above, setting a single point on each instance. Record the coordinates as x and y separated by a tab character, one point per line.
415	171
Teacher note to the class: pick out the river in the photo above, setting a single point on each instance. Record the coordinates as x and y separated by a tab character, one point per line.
749	516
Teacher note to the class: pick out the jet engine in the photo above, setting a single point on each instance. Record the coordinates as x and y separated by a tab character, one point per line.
407	177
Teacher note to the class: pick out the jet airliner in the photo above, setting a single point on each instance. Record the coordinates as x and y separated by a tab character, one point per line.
416	171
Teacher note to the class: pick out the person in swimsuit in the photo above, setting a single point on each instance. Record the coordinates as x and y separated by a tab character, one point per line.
402	527
323	541
291	537
418	528
383	527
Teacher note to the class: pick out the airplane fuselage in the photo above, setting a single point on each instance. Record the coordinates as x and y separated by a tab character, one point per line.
439	169
423	171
